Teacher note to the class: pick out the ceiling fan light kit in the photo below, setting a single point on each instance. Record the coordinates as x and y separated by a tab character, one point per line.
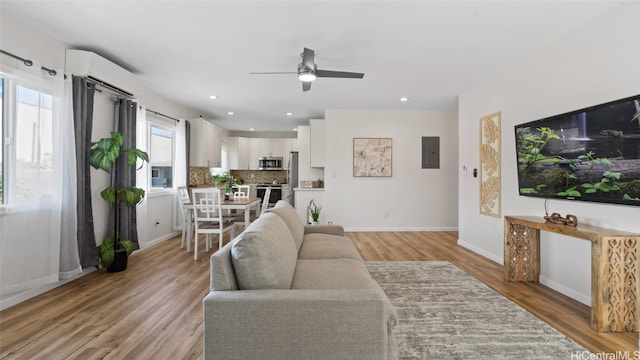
308	71
307	76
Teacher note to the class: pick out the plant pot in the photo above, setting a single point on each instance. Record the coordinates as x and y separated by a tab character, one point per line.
120	259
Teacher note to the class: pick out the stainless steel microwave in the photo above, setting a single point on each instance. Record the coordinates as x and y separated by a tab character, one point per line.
270	163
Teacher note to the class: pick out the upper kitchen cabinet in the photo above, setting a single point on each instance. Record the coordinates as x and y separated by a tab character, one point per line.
206	144
316	143
238	153
288	145
267	147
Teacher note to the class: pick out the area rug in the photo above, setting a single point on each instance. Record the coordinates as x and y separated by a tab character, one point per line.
445	313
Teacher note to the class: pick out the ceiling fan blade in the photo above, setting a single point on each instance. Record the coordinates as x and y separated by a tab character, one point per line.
339	74
306	85
272	73
307	58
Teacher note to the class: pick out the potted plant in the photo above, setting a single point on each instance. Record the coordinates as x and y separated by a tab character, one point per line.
314	211
103	155
226	180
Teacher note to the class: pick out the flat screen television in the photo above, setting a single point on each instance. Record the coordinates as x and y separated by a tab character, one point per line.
590	154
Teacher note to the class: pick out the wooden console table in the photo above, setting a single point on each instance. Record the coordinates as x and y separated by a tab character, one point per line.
615	272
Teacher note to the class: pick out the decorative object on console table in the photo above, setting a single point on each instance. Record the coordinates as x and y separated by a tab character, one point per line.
556	218
615	274
372	157
490	165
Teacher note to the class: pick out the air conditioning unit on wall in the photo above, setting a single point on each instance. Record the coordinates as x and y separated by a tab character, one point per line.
102	71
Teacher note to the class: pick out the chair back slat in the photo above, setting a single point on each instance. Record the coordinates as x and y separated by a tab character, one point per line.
242	192
265	201
183	194
207	204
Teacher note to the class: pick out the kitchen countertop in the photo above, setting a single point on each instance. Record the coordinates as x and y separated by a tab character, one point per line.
308	189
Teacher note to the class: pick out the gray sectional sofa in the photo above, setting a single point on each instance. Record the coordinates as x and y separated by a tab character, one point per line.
284	290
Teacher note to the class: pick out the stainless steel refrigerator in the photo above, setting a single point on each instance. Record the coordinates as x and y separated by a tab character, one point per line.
292	176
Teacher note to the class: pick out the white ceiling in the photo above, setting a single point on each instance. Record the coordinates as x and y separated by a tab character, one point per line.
428	51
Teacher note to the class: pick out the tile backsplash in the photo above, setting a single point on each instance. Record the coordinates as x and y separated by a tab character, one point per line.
199	175
261	176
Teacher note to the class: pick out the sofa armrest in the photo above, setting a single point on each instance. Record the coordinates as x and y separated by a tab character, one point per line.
295	324
324	229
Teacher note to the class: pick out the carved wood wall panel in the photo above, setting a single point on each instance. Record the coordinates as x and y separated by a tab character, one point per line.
490	140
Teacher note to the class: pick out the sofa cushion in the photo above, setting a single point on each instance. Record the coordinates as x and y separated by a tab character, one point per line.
290	217
264	255
223	276
323	246
338	274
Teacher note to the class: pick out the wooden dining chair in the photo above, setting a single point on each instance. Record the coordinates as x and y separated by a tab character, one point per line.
242	192
239	218
185	206
208	218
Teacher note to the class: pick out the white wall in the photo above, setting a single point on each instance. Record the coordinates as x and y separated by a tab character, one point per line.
413	198
597	64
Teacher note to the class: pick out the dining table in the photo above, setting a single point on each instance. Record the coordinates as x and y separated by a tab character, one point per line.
242	204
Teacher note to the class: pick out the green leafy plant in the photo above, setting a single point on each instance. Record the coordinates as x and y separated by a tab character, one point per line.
103	155
533	145
314	210
227	180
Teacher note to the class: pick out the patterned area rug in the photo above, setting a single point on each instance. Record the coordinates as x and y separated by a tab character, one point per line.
446	313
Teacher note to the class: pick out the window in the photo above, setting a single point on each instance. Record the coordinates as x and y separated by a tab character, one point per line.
161	157
26	153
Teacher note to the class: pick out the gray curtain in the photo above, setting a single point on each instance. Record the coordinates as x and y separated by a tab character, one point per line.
125	123
83	92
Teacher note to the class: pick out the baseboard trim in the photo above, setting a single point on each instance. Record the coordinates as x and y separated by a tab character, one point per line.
497	259
161	239
583	298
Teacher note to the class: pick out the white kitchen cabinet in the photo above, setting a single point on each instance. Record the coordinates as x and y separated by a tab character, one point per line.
268	147
316	143
238	153
254	150
206	144
288	145
275	148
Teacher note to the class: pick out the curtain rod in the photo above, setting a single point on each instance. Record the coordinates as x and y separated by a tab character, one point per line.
28	62
161	114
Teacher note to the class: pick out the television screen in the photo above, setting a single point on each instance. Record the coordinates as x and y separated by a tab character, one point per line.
591	154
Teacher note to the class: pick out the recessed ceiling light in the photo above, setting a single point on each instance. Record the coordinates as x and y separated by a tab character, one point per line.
289	114
404	99
230	113
251	129
295	129
213	97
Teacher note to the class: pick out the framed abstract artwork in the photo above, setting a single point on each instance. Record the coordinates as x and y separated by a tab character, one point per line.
371	157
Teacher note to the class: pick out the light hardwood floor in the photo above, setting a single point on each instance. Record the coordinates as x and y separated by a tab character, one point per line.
154	309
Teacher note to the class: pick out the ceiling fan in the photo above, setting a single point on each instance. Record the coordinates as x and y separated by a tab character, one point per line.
308	71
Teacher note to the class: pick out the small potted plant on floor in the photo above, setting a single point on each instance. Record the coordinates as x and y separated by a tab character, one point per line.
314	211
103	155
